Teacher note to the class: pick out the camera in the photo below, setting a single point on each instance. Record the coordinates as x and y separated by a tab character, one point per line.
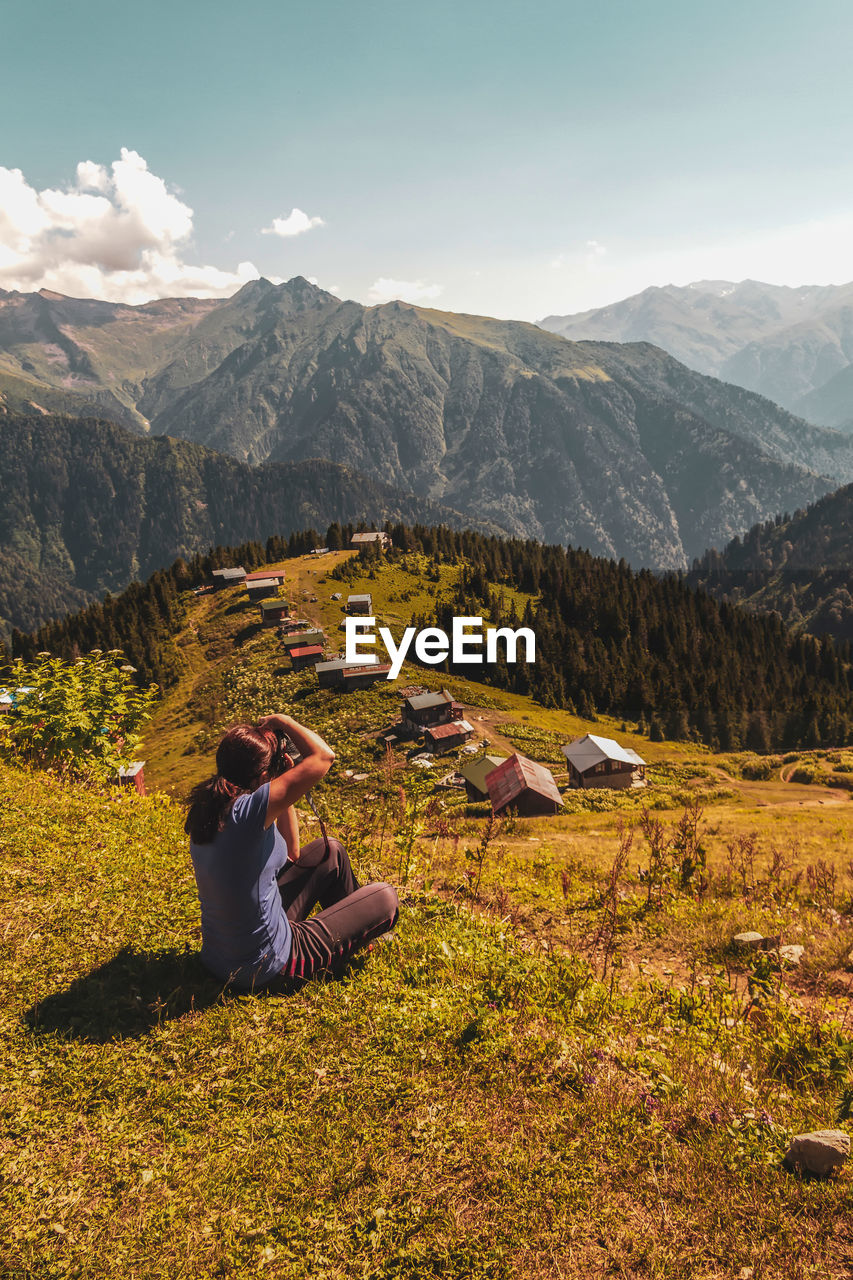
285	746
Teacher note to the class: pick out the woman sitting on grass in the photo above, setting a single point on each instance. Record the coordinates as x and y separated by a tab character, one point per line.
256	885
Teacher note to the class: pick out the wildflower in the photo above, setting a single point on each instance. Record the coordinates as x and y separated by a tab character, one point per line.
589	1077
715	1117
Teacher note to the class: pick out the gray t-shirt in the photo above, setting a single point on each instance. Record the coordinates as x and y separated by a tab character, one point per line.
245	933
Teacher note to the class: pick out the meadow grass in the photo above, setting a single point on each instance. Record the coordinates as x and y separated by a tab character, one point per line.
467	1102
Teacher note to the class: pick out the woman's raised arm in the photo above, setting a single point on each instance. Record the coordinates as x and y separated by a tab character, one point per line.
317	759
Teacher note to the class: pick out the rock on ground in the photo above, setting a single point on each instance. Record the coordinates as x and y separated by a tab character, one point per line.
819	1152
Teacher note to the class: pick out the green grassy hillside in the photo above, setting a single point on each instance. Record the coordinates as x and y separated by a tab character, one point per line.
465	1104
558	1066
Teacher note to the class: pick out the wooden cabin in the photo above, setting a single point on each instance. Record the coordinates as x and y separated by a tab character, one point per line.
273	611
330	674
306	655
524	786
227	577
296	639
370	539
444	737
360	604
602	762
423	709
475	772
262	588
264	583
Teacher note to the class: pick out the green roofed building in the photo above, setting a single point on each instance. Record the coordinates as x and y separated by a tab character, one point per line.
296	639
475	772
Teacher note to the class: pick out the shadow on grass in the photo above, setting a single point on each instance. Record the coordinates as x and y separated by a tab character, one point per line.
247	633
127	996
135	991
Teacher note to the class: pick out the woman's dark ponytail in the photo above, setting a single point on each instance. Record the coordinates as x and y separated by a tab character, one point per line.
242	759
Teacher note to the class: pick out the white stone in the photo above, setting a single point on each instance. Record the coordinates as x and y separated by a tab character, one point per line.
791	952
749	939
819	1152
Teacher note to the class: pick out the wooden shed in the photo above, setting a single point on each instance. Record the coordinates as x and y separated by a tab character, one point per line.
602	762
524	786
133	775
360	604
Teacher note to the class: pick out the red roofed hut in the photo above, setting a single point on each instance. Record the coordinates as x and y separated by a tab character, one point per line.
444	737
524	786
306	655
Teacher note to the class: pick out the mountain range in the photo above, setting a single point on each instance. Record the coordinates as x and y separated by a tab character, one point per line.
793	345
618	448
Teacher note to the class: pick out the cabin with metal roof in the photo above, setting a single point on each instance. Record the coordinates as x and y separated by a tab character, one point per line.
280	575
330	674
294	639
475	772
262	588
602	762
423	709
370	539
305	655
523	786
227	577
360	604
444	737
354	677
348	676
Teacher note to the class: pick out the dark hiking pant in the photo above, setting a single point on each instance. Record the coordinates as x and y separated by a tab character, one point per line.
349	917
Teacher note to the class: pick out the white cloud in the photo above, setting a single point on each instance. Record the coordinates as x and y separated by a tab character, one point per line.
116	233
294	224
385	289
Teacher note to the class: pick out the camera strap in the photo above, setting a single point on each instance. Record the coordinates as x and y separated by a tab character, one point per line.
309	797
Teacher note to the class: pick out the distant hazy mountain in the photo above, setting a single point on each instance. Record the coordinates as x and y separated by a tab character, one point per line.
86	507
800	566
617	448
787	344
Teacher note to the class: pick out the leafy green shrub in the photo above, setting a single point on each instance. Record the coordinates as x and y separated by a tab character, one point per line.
83	716
806	773
760	768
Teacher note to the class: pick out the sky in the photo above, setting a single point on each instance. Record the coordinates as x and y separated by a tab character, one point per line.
481	156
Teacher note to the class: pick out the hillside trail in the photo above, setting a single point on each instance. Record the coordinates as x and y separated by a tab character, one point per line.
788	795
